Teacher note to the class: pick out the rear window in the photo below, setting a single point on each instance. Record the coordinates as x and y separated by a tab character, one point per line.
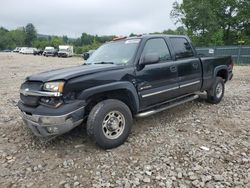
182	48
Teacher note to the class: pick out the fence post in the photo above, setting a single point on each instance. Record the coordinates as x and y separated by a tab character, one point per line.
239	53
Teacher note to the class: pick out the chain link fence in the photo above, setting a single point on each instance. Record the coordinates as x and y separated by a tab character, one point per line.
240	54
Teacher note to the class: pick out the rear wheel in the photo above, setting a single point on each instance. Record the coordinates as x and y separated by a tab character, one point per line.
216	93
109	123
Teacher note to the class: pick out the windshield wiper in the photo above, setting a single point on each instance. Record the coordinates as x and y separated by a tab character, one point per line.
104	62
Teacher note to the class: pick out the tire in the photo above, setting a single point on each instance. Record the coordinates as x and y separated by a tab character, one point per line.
216	93
100	127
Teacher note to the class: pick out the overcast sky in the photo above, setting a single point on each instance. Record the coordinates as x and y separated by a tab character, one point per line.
102	17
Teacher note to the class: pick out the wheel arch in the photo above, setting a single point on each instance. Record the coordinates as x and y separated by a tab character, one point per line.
123	91
221	71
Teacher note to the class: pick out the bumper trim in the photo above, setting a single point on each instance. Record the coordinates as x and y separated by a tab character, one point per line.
27	92
46	126
43	120
231	76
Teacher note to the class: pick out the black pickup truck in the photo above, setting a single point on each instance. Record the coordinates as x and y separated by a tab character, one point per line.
125	78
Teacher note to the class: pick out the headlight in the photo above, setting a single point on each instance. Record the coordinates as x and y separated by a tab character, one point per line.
54	86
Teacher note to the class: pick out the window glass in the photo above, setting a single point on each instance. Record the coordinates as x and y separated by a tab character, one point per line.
157	46
117	52
182	48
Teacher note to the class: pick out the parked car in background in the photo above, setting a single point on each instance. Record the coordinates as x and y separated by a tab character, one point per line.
86	55
6	50
28	50
22	50
50	51
38	52
65	51
17	49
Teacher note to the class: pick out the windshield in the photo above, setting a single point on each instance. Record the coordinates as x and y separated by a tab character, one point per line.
49	50
63	50
120	52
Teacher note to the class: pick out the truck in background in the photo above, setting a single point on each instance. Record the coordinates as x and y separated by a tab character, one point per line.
17	49
50	51
86	55
38	52
65	51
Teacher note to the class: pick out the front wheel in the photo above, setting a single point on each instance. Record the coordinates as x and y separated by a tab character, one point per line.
216	93
109	123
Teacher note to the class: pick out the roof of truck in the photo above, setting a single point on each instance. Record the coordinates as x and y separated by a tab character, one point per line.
65	46
156	35
147	36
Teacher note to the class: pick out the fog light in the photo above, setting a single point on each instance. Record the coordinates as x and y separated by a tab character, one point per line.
52	129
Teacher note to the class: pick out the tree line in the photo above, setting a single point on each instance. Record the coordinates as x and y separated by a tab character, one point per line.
18	37
28	36
214	22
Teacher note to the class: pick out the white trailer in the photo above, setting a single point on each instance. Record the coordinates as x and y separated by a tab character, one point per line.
65	51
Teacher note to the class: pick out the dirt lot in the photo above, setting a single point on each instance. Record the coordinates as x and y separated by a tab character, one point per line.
193	145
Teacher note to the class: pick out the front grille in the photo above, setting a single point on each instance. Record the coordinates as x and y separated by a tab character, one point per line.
31	100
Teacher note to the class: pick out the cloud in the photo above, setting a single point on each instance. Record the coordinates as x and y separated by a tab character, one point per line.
102	17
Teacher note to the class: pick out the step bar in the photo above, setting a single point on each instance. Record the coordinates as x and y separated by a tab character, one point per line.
167	106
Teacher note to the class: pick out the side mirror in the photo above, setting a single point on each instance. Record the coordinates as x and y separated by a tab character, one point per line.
85	56
150	59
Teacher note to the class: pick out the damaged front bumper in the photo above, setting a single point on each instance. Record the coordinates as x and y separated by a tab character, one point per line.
48	122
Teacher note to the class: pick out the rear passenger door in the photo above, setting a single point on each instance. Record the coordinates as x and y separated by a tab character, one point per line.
159	81
189	66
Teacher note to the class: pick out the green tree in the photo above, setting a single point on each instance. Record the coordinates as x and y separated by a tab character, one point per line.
87	39
31	34
181	30
56	41
3	38
244	26
169	32
206	20
65	39
18	36
41	43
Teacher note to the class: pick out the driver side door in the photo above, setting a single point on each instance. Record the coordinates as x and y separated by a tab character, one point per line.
157	82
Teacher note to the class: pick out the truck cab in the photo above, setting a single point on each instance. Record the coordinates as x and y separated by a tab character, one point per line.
50	51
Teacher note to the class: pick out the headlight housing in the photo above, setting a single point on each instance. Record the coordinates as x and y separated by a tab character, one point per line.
54	86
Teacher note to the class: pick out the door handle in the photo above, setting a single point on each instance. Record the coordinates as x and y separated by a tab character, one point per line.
173	68
195	65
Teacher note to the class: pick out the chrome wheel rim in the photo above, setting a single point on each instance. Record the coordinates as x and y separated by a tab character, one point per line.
113	125
219	90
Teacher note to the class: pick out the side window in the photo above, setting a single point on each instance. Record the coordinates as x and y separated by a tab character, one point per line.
182	48
157	46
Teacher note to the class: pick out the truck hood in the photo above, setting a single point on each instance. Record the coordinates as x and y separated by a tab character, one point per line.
71	72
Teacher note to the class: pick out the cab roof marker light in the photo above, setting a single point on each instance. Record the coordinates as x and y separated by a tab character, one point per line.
119	38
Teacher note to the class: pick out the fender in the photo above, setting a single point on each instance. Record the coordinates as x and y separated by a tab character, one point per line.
111	87
221	67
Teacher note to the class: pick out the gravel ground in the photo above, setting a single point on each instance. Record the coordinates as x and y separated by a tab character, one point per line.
193	145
